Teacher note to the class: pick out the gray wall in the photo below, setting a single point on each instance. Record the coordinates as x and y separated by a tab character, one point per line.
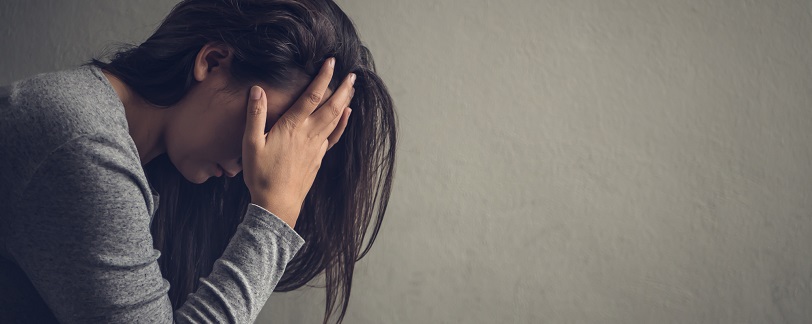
580	161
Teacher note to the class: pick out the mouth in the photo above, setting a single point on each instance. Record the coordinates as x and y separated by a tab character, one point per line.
223	172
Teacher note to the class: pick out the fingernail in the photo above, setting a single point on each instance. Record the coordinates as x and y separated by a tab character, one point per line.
255	94
332	62
352	78
349	113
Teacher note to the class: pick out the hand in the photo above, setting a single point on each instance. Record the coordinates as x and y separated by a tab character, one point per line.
279	167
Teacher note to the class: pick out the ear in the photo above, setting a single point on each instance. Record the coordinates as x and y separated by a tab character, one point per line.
211	56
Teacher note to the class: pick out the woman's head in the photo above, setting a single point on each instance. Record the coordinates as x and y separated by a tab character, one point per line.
205	127
200	64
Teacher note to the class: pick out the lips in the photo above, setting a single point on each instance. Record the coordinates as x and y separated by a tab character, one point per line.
223	171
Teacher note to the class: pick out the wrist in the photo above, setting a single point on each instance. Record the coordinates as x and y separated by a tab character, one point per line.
278	210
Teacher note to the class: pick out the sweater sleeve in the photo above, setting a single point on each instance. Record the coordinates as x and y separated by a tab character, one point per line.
83	240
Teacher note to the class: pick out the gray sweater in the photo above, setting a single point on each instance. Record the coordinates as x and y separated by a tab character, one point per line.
75	211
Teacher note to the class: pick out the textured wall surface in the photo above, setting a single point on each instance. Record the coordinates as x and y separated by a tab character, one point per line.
579	161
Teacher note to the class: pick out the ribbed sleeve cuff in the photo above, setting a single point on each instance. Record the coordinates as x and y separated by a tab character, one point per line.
264	218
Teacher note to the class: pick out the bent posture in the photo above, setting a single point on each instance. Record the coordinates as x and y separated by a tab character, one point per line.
192	175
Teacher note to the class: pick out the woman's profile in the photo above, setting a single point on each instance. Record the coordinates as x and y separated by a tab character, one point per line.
245	147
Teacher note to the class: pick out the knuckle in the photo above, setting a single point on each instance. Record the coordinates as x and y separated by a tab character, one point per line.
286	122
254	110
314	137
336	110
314	98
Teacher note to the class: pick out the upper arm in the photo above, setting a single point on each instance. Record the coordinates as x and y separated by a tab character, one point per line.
83	239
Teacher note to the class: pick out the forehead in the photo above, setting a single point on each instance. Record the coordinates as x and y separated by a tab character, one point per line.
279	101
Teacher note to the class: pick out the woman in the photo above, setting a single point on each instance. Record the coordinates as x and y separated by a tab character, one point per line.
88	154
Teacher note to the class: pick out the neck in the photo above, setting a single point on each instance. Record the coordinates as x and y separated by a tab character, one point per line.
146	121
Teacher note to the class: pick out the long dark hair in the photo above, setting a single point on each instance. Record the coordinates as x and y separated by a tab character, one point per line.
273	41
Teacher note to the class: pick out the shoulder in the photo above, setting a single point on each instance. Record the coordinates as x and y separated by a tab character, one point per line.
74	101
47	111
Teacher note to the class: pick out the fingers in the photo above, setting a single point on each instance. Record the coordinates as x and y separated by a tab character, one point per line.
339	130
256	115
352	93
326	117
324	147
336	135
313	95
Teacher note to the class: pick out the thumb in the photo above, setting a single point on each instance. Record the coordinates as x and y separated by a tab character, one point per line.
256	115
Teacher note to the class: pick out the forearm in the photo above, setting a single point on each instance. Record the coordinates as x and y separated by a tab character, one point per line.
244	277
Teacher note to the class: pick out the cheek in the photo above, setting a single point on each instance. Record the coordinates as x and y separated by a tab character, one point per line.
206	138
187	140
230	130
233	149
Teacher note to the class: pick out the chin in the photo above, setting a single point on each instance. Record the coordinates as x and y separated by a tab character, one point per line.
198	175
200	181
205	176
197	178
